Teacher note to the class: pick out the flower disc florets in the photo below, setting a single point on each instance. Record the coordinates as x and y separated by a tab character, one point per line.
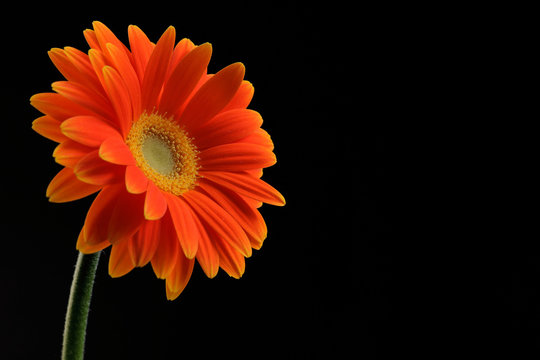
164	152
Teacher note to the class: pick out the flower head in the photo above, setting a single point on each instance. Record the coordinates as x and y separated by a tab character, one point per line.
173	152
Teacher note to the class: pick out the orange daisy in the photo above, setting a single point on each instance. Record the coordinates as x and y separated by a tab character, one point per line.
174	153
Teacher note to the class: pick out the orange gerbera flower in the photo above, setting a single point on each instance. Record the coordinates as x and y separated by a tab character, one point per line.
174	153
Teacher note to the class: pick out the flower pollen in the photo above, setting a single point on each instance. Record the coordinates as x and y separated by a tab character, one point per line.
164	152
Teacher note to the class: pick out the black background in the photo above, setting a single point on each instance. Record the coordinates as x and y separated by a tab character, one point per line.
330	277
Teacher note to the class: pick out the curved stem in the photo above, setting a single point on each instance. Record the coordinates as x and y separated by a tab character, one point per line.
78	306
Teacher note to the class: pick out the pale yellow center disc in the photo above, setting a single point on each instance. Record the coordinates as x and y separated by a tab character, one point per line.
158	154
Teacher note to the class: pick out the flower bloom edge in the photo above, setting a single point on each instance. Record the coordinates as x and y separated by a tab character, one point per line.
173	153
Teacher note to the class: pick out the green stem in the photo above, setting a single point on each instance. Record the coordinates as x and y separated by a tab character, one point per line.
78	306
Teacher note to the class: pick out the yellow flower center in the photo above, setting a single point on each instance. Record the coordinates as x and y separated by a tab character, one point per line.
164	152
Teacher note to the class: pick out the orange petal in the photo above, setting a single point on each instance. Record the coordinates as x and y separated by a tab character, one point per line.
236	157
72	72
49	127
98	62
126	217
96	224
230	260
155	204
242	98
181	49
86	248
127	72
213	96
252	202
141	49
227	127
144	243
184	223
119	96
203	80
82	62
88	130
91	39
120	261
167	250
94	170
249	218
66	68
57	106
221	222
79	94
179	276
156	70
66	187
136	181
115	150
246	185
184	78
259	137
255	173
69	153
104	35
207	256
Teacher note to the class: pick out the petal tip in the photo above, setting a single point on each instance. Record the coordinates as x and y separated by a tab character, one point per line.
153	215
190	253
155	204
171	295
97	23
239	68
169	34
33	99
206	47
